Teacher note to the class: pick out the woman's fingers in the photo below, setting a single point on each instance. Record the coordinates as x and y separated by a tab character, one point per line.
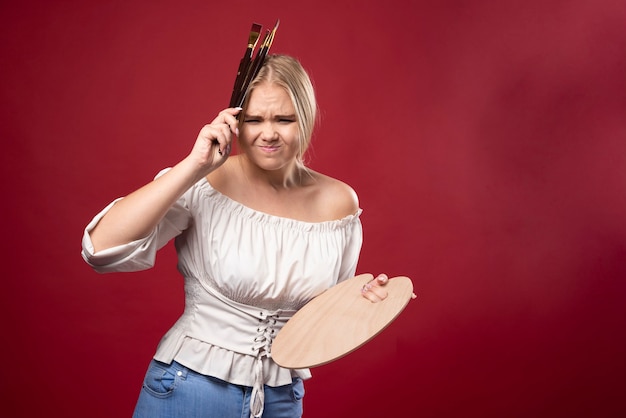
382	279
228	117
374	289
226	122
223	139
216	137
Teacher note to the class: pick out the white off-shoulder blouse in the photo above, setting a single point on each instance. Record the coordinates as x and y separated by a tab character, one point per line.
246	273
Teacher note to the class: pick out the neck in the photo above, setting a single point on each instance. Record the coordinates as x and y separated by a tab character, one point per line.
281	179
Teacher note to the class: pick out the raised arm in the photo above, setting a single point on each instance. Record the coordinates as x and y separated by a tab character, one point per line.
137	214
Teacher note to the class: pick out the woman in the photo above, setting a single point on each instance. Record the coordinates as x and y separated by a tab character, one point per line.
257	234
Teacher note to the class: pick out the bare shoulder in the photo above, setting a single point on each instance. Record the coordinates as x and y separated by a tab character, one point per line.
334	198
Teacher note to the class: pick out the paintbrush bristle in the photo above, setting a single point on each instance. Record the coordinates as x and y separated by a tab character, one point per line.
255	32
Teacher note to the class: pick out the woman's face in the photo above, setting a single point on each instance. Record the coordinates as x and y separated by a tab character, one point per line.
269	133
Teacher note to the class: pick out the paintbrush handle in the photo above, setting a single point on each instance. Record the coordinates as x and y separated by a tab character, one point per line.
243	69
248	69
244	63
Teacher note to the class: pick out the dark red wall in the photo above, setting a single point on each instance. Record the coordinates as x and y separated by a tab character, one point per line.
487	142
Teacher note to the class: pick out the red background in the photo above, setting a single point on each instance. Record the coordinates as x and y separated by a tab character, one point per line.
486	140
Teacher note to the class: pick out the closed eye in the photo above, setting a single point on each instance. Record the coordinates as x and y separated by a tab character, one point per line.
286	118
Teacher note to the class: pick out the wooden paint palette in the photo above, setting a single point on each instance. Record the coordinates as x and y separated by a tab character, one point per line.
337	322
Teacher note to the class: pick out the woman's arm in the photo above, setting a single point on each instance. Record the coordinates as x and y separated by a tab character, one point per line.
136	215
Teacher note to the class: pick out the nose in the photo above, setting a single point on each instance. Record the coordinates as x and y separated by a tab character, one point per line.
269	132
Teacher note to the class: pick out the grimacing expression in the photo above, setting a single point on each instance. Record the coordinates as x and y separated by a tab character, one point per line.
269	131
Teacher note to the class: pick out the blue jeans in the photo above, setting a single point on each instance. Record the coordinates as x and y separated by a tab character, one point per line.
172	390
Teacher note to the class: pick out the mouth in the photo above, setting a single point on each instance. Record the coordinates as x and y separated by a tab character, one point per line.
269	149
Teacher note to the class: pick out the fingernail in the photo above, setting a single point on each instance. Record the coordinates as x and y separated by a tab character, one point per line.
237	131
239	108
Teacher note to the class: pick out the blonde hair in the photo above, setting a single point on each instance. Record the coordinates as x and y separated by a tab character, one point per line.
288	73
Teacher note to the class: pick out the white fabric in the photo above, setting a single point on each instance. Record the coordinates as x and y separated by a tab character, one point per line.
243	270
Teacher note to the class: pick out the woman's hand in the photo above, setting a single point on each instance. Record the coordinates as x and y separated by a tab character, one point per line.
374	290
213	145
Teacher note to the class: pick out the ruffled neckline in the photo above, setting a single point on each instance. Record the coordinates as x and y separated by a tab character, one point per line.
234	206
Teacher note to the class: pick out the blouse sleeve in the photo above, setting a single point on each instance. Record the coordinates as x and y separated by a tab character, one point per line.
352	249
140	254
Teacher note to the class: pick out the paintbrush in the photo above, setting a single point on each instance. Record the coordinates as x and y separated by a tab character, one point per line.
255	66
253	37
